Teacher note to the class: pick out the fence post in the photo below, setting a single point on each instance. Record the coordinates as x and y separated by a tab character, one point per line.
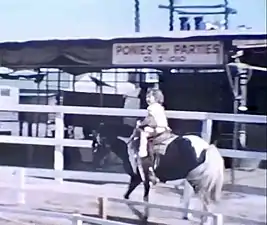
21	186
218	219
76	220
102	207
206	130
58	152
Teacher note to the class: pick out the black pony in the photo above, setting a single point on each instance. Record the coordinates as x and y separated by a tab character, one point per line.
186	157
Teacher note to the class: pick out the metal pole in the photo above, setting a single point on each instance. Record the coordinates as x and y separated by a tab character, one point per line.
116	81
243	103
47	100
136	27
58	88
235	131
101	90
73	83
240	90
37	115
137	15
171	15
71	127
226	15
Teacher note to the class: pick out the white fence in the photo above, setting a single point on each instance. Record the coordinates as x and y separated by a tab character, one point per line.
76	219
103	201
59	142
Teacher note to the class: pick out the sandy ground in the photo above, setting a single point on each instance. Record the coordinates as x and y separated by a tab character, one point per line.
248	200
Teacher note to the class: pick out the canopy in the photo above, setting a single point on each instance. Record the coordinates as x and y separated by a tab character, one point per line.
82	55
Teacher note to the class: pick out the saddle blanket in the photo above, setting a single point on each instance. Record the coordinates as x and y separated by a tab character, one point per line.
161	143
159	146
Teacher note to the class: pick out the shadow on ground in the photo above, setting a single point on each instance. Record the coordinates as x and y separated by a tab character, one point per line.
141	220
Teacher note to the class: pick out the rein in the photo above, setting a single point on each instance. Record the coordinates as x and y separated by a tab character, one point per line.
132	136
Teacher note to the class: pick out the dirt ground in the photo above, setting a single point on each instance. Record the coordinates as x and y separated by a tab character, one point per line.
247	200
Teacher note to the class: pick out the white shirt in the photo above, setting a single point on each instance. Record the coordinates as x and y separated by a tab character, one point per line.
158	112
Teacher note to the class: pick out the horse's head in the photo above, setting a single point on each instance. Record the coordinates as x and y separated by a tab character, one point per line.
105	141
134	140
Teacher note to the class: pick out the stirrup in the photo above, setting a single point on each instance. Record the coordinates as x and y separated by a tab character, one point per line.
152	176
143	154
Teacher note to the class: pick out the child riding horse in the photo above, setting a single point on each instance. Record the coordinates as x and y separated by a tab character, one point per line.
155	124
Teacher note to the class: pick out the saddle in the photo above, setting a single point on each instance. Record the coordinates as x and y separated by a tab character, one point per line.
158	139
157	146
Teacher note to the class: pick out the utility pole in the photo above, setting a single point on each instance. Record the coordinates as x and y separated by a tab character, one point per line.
171	15
137	15
226	15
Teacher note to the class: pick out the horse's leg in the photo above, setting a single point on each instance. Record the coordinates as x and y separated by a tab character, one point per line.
146	197
146	190
206	208
134	182
146	163
187	195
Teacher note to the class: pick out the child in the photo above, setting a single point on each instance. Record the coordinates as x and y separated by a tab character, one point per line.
156	121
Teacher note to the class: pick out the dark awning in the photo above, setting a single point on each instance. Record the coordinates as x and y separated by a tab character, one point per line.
78	56
255	56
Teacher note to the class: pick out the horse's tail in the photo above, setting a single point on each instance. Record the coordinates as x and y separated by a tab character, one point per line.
214	173
208	177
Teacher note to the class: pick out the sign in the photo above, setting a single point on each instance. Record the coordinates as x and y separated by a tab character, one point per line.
168	54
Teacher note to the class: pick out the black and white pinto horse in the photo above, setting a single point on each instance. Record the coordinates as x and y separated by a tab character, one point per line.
186	157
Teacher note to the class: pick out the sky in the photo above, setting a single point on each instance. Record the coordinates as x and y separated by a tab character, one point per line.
38	19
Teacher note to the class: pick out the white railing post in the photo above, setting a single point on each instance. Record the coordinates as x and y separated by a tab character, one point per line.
206	130
76	220
102	207
58	152
218	219
21	186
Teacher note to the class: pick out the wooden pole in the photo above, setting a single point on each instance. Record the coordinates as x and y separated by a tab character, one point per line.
102	207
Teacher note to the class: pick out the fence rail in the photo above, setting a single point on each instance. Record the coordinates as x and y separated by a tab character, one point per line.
85	143
77	219
103	111
103	201
59	142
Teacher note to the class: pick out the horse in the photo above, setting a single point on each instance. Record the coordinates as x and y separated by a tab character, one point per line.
186	157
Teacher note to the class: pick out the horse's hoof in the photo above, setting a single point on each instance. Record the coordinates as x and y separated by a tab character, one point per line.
145	218
154	180
126	197
145	199
188	217
206	221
